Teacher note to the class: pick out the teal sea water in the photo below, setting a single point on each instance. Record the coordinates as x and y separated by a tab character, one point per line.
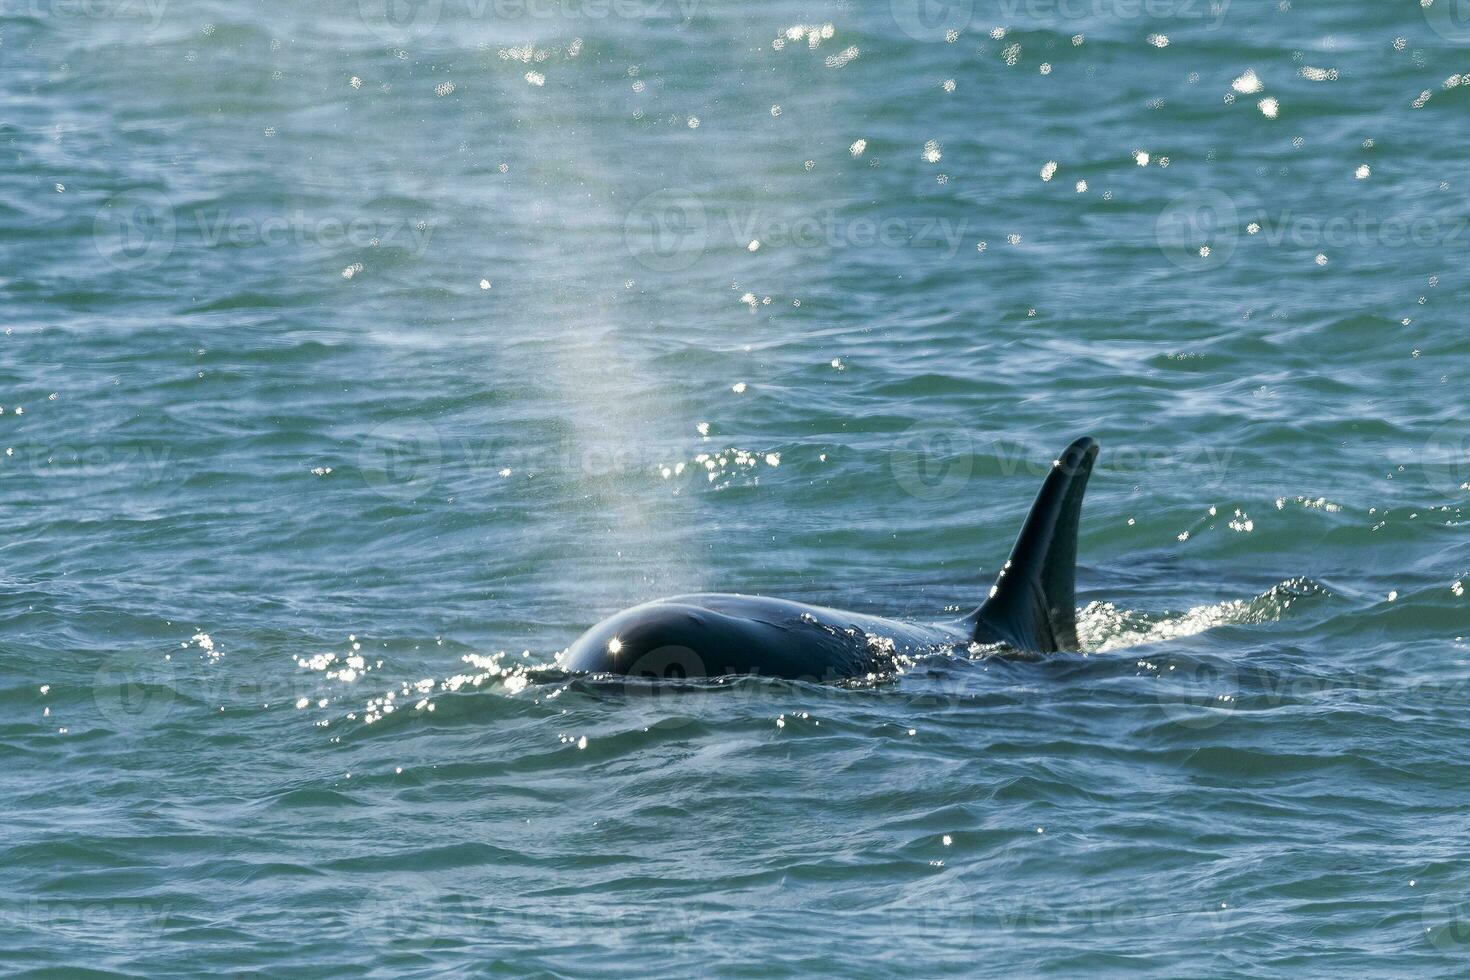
354	357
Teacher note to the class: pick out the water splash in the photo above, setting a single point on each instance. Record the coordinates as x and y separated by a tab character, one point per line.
1103	627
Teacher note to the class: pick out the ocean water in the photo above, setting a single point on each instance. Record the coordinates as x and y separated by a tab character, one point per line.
354	357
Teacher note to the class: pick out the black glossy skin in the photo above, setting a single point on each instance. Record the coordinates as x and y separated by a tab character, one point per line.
717	634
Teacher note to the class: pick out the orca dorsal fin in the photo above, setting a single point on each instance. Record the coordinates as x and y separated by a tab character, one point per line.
1032	605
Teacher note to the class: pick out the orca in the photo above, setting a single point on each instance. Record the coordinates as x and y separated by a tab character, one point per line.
1031	608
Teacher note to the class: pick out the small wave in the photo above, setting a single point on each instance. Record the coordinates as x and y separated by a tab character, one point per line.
307	797
1103	627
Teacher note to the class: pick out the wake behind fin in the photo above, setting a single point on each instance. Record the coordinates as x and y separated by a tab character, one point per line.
1032	605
